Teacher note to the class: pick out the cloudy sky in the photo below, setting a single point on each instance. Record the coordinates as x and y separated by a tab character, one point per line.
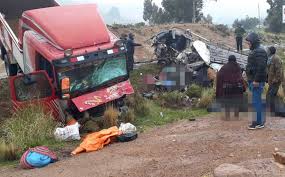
223	11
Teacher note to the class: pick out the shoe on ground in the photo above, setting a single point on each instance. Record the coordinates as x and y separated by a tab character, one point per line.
252	127
260	126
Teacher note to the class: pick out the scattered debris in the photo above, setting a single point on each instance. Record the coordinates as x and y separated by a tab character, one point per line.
181	56
67	133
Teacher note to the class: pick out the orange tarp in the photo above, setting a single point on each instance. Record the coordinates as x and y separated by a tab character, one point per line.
96	141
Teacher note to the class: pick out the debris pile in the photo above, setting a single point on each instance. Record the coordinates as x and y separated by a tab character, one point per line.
185	60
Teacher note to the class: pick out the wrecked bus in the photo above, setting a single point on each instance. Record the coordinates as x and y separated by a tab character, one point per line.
67	59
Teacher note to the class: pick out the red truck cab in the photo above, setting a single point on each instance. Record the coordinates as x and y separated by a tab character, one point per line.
69	60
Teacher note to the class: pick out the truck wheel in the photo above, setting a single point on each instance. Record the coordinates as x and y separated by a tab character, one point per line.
11	69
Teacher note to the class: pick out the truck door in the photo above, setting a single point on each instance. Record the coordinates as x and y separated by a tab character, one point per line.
34	88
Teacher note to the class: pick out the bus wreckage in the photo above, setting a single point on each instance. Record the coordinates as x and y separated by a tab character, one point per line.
187	58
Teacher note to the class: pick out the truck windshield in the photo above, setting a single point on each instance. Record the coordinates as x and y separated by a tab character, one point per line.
93	74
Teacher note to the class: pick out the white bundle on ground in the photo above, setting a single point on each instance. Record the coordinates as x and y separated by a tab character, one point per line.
68	133
127	128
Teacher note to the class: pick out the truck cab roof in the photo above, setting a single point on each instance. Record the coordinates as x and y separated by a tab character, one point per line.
68	27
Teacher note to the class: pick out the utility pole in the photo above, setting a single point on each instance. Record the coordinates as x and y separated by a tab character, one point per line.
259	16
194	12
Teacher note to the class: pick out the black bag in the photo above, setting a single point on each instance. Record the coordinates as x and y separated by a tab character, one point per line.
127	137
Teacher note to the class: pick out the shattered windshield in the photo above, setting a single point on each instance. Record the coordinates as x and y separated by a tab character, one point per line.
94	74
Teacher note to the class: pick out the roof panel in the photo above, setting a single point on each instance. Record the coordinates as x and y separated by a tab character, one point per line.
74	26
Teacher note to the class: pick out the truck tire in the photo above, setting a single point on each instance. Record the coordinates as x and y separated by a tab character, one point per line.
11	69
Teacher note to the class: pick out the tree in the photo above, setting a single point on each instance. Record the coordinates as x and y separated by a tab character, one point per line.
274	18
208	19
148	10
182	10
172	11
248	23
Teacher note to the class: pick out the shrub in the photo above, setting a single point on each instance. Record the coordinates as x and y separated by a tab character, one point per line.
140	105
29	127
110	117
172	99
194	91
4	90
7	152
138	25
207	98
129	117
223	29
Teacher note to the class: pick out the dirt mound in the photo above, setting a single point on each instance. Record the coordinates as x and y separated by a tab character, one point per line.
143	35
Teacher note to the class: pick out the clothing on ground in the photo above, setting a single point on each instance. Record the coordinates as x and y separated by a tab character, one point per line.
96	141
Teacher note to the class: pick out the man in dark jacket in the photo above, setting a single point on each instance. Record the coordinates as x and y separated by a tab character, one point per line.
275	76
256	75
229	87
131	51
239	32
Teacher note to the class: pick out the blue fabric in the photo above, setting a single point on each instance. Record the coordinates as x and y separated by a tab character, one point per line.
38	160
257	102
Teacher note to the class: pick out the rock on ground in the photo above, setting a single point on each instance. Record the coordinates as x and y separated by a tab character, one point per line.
230	170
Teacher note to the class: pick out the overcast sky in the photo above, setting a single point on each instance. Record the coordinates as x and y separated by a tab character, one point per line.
223	11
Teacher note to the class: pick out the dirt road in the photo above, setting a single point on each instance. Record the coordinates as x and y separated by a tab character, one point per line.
182	149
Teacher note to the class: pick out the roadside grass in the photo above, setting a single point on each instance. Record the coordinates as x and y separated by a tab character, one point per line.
158	112
27	128
160	116
4	90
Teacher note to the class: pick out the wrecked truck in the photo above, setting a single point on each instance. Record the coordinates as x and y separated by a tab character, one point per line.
187	58
71	63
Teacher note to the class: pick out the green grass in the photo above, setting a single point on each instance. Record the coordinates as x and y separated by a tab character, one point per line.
153	117
169	116
4	90
29	127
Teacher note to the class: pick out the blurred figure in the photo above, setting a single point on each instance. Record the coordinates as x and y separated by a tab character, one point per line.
256	74
275	76
239	33
230	87
131	51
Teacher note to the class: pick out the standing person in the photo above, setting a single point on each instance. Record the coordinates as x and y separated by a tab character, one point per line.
229	87
256	75
131	51
275	76
239	32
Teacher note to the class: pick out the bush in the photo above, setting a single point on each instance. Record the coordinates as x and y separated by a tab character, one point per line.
4	90
140	105
172	99
129	117
223	29
7	152
207	98
194	91
141	24
29	127
110	117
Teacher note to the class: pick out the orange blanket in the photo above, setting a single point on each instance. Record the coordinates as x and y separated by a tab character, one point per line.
96	141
